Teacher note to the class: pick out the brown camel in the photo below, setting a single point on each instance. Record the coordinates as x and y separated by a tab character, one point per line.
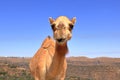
49	63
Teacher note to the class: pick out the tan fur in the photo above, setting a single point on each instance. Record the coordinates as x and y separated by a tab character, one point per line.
49	63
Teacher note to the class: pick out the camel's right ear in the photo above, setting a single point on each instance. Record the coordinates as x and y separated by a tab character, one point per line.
73	20
51	20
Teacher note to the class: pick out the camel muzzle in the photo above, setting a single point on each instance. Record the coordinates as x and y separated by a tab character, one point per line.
61	40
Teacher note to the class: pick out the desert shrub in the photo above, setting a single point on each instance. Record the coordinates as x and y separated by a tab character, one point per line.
12	66
3	73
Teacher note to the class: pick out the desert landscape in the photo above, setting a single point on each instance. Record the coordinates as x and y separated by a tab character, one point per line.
92	26
79	68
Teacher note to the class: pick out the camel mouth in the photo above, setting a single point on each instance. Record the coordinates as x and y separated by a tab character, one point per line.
61	40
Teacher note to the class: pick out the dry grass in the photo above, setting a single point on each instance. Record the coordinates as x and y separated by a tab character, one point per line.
79	68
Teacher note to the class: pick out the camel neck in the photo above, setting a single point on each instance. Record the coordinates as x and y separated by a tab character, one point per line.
61	49
59	59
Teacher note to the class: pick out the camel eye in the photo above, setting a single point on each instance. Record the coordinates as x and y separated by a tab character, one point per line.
53	27
71	26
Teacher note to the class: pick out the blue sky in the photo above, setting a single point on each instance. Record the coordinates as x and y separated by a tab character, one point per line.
24	25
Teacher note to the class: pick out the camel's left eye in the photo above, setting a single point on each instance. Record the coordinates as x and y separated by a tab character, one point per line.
71	26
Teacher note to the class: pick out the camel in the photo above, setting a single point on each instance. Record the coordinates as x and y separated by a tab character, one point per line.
49	63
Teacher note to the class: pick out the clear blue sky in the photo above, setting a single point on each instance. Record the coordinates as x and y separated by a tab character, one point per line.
24	25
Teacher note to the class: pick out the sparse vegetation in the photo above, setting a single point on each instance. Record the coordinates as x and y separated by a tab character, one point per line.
78	69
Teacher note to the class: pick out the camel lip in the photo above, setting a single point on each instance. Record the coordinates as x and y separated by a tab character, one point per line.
61	40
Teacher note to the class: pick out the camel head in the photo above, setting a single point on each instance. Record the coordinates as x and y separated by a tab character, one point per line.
62	28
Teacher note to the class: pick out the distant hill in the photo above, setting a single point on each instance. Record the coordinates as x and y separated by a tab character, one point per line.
93	61
79	68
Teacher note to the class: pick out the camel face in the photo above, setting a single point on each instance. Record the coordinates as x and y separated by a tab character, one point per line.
62	28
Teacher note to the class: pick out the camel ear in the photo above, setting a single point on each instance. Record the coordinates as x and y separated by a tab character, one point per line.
73	20
51	20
